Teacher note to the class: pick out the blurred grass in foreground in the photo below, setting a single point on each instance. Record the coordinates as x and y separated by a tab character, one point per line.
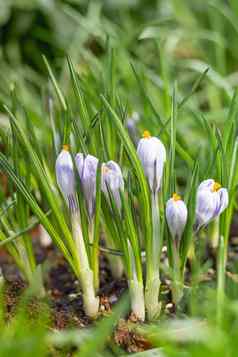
140	49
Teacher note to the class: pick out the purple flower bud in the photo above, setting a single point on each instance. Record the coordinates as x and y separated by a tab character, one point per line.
152	154
212	200
65	176
87	169
131	125
176	215
112	180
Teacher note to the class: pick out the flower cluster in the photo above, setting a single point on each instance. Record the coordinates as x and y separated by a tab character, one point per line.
211	201
112	179
211	198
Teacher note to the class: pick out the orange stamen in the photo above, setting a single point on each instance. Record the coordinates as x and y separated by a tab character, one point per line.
146	134
66	147
105	169
176	197
216	187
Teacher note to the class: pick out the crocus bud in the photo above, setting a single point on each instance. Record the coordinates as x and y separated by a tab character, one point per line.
65	176
131	125
176	215
212	200
87	169
112	180
152	154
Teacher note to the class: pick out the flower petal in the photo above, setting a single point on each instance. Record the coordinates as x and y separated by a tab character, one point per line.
152	154
112	180
87	169
65	173
176	215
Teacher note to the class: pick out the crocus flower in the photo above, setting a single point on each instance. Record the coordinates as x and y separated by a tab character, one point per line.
65	176
176	215
87	169
112	180
131	125
152	154
212	200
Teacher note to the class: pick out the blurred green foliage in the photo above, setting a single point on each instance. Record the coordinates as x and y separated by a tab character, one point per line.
166	41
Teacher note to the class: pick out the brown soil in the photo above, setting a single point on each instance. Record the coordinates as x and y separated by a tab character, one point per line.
65	299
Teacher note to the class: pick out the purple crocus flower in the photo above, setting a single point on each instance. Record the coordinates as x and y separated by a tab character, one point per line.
131	125
87	169
65	177
112	180
152	154
176	215
212	200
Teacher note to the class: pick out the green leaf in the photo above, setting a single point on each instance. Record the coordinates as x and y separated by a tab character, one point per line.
55	85
188	234
5	166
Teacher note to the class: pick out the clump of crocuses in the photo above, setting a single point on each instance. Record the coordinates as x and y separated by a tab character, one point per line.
211	201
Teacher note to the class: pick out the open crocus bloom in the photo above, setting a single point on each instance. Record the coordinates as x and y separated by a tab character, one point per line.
212	200
64	169
112	180
152	154
87	169
176	215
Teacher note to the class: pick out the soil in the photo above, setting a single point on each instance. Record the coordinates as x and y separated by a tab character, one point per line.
65	299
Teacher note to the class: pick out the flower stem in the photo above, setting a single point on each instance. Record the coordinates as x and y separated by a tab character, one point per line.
136	287
116	263
221	279
177	280
90	301
214	236
137	298
153	306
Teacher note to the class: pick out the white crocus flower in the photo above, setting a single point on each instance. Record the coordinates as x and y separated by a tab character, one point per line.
87	169
66	181
152	154
211	201
112	180
64	169
176	215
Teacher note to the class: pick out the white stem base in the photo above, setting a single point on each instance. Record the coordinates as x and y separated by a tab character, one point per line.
177	291
116	266
90	301
36	282
137	299
152	304
215	234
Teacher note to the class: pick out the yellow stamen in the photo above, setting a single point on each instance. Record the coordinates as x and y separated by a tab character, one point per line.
146	134
66	147
105	169
176	197
216	187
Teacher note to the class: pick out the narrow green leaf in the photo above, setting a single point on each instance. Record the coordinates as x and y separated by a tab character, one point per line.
55	85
